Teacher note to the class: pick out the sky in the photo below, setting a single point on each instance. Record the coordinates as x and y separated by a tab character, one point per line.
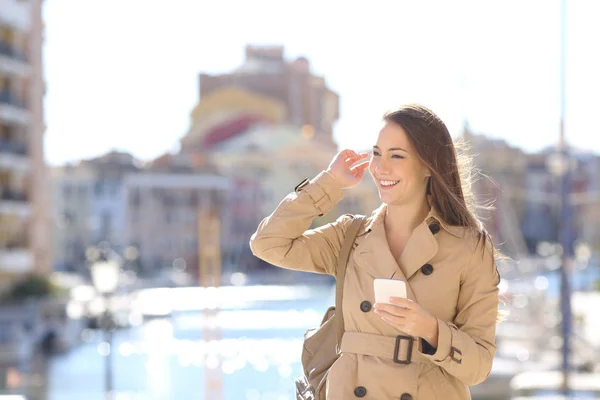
124	74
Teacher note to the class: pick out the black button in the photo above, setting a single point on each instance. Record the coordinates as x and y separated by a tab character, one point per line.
427	269
365	306
360	391
434	228
406	396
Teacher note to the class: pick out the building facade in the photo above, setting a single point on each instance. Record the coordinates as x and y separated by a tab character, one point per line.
525	191
163	216
24	185
89	207
108	197
306	98
72	192
586	200
499	187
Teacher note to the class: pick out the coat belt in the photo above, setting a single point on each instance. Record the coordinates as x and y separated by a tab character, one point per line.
401	349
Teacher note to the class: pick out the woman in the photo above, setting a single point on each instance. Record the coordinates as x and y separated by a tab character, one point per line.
438	341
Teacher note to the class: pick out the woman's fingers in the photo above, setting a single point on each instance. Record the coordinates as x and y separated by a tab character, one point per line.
350	156
390	309
389	315
359	169
347	168
363	165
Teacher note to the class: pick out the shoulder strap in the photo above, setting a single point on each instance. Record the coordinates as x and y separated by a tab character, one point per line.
341	273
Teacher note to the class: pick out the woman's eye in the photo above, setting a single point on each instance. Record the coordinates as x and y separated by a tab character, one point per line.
375	153
397	156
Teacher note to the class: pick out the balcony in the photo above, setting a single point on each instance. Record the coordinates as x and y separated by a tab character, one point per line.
15	254
14	203
12	195
13	155
13	61
12	108
16	260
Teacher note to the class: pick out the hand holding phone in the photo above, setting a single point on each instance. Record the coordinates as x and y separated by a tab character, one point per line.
386	288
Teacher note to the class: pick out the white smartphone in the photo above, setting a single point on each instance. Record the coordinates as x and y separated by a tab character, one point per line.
386	288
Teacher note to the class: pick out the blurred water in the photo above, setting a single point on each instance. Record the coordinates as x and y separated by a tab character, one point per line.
256	354
256	357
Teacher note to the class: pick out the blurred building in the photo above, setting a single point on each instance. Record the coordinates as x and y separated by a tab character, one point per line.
227	112
285	91
525	194
72	192
540	223
89	207
501	186
108	196
241	219
586	199
163	217
24	189
147	213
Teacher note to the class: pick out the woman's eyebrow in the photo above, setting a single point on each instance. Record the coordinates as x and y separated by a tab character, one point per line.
392	149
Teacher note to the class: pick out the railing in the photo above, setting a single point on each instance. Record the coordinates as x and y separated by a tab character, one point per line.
13	147
12	195
17	242
6	96
9	51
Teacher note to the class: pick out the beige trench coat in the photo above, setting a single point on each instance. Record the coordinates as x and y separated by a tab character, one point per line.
447	274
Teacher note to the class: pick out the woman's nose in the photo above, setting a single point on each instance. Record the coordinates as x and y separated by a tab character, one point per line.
382	167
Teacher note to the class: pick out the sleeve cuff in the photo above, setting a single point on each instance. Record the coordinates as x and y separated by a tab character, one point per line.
325	191
444	344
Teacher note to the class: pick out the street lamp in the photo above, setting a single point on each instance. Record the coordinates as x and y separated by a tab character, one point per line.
561	165
105	276
566	210
105	273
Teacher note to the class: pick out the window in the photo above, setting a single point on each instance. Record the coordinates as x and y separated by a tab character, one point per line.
134	197
98	188
67	191
192	243
106	225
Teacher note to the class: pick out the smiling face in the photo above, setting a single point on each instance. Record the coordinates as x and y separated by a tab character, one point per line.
396	168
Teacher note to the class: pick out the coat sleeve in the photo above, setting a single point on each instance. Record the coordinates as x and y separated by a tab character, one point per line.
283	238
466	348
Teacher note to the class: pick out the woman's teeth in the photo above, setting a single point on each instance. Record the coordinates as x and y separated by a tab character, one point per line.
388	183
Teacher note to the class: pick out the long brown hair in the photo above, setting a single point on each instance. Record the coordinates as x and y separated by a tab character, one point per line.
452	174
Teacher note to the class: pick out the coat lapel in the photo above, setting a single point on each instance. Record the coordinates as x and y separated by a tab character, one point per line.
372	250
421	248
373	255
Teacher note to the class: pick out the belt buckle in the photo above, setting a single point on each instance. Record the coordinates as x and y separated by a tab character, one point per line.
397	349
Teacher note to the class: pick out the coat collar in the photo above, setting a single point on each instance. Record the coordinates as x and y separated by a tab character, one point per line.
378	217
422	246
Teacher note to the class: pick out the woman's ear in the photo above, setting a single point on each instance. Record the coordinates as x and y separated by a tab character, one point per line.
425	169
